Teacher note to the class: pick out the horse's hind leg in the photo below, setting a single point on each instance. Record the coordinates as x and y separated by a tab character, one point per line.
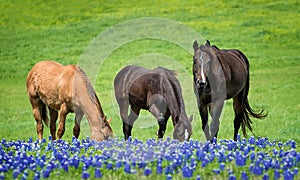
53	118
76	129
63	112
37	106
123	105
239	112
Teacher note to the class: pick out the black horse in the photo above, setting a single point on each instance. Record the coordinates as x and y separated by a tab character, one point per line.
220	75
156	90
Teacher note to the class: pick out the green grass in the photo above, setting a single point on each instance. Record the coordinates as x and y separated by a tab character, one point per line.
267	32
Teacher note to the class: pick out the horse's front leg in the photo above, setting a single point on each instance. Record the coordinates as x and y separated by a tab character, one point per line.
62	119
204	118
155	111
215	112
163	125
76	129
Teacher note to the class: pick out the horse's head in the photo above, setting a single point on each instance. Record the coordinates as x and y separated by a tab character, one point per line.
203	57
106	129
183	129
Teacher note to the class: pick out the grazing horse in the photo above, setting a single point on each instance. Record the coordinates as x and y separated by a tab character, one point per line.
65	89
220	75
156	90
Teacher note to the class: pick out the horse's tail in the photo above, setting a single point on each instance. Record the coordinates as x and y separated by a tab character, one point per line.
44	114
248	111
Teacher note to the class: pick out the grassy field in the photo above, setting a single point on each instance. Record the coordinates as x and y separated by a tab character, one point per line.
267	32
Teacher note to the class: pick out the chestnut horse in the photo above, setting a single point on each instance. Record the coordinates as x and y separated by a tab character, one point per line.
65	89
155	90
220	75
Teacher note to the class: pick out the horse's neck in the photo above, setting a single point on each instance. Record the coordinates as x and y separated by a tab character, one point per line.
87	98
175	103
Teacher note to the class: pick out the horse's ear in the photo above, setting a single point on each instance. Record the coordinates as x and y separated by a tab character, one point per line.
174	72
195	45
109	120
207	43
191	118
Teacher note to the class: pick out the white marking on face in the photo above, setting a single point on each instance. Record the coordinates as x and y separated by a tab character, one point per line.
202	68
186	134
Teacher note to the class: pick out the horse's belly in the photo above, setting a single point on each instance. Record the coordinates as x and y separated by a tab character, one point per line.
51	101
138	101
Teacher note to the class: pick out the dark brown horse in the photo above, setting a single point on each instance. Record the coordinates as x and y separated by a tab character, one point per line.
220	75
156	90
65	89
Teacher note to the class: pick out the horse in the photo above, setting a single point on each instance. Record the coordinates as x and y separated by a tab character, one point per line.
65	89
156	90
220	75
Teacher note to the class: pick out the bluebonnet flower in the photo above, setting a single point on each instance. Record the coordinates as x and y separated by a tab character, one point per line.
244	176
216	171
25	175
16	173
36	175
127	168
46	173
169	177
187	172
296	170
169	170
222	166
119	164
85	175
159	168
98	173
147	171
109	165
232	177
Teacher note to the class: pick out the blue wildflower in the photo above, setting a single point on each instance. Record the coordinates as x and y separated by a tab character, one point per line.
187	172
147	171
36	175
159	169
119	164
232	177
244	176
16	173
296	171
98	173
266	177
127	168
169	177
85	175
169	170
46	173
216	171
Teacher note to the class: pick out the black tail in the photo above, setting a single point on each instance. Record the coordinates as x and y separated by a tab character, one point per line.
44	115
248	111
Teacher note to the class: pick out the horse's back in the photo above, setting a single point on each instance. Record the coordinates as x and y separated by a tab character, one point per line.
125	77
235	67
50	81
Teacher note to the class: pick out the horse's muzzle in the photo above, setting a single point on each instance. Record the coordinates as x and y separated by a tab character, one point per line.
201	83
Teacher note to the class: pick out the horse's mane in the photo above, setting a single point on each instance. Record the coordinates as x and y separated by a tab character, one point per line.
176	90
90	90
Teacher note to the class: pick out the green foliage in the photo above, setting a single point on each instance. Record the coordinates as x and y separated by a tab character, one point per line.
267	32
